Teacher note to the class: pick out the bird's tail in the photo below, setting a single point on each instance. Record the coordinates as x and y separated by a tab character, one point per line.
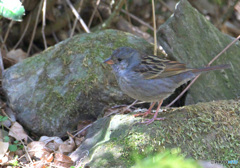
211	68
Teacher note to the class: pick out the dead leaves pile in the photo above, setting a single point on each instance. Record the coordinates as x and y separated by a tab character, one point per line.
46	152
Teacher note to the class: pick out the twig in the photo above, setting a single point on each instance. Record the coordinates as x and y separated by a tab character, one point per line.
1	64
229	45
26	151
75	21
24	32
78	16
137	19
154	27
3	111
44	23
105	24
35	27
79	132
3	45
190	84
7	33
94	11
55	37
89	125
126	7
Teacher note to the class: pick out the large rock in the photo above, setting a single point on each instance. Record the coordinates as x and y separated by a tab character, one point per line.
205	131
190	38
68	82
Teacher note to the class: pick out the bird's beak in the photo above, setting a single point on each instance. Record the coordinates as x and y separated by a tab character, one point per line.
109	61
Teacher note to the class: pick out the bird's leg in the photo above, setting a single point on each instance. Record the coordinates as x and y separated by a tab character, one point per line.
147	112
149	121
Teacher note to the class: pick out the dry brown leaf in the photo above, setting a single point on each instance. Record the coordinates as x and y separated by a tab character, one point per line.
18	132
17	55
78	141
51	142
3	148
62	160
49	158
39	164
39	150
67	147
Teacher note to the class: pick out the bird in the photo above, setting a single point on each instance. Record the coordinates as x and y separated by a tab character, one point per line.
150	78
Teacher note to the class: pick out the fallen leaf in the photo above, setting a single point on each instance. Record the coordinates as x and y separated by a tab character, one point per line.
39	150
51	142
3	148
18	132
67	147
78	141
17	55
63	160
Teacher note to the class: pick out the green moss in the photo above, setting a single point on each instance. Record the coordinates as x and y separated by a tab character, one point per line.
206	131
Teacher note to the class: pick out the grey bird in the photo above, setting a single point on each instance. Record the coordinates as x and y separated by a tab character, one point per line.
150	78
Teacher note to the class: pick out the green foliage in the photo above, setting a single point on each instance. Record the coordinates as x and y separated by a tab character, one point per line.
6	139
12	9
3	118
15	146
168	159
14	162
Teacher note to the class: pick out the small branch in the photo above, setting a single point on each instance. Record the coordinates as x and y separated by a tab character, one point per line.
137	19
7	33
93	14
229	45
1	64
3	45
75	21
78	16
44	23
55	37
154	27
190	84
24	32
35	27
79	132
106	24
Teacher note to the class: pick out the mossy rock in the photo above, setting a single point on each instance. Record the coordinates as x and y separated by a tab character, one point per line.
52	91
190	38
205	131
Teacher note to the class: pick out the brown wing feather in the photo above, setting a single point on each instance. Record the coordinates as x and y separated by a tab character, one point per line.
153	67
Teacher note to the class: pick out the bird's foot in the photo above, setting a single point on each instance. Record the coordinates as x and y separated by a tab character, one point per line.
149	121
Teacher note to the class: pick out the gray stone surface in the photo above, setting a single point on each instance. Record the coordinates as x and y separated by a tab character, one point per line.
52	91
190	38
205	131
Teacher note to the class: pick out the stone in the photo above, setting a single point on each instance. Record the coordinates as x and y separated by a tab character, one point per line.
52	91
189	37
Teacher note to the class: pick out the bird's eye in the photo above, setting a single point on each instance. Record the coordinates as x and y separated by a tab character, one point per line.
119	59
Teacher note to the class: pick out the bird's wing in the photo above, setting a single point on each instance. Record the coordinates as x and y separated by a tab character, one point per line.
154	67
